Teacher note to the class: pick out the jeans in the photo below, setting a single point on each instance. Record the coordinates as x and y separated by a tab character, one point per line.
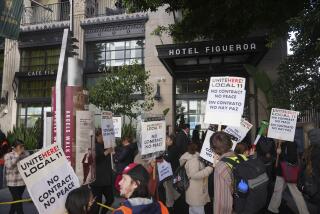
97	192
1	176
277	196
16	193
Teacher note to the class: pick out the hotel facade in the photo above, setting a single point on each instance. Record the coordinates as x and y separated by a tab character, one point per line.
108	37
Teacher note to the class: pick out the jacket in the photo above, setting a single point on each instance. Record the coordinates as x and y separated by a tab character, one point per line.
103	167
124	155
141	206
197	193
172	156
182	141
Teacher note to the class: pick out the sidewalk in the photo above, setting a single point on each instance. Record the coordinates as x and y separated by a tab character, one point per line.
5	196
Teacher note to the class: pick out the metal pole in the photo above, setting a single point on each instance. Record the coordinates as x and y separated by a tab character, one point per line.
71	15
41	5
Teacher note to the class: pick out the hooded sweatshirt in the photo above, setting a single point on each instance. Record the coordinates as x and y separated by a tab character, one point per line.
141	206
197	192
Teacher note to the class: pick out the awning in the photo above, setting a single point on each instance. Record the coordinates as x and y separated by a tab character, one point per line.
198	58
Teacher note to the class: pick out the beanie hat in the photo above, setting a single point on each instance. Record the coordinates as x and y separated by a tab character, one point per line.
137	172
314	136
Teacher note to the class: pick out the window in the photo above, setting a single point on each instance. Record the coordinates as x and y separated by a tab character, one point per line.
29	88
117	53
195	86
40	59
1	69
30	114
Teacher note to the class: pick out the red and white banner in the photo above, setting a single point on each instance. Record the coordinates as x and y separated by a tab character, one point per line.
54	118
75	99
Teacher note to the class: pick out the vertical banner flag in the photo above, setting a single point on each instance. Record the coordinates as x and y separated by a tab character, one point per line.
225	101
206	152
75	99
117	125
282	124
85	149
107	129
54	117
240	132
153	137
10	16
49	179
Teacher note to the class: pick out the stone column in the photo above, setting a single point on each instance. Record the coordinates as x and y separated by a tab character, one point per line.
79	9
10	66
158	73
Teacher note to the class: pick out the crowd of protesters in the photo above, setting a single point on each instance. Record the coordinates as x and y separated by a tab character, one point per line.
211	187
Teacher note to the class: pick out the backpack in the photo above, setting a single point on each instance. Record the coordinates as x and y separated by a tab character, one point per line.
180	179
309	186
127	210
250	182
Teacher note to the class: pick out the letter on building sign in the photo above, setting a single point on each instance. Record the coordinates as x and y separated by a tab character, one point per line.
253	46
171	52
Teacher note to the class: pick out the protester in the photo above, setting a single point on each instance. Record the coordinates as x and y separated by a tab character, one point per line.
221	145
79	201
103	183
15	182
309	182
4	149
288	155
171	156
134	187
243	148
182	139
149	165
124	154
197	195
196	136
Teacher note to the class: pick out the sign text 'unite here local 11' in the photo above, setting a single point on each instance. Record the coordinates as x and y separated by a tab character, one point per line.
225	101
49	179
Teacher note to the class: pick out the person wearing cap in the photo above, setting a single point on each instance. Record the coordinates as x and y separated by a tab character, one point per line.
134	187
15	182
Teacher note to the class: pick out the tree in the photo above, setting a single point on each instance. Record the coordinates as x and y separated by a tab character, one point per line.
124	91
222	19
299	75
298	84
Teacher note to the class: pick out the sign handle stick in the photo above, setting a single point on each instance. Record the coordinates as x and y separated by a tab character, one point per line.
219	127
154	171
111	154
278	152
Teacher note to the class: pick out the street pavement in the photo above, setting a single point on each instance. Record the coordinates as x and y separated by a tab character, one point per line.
5	196
29	207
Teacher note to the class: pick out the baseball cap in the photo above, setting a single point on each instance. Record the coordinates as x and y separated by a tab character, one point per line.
137	172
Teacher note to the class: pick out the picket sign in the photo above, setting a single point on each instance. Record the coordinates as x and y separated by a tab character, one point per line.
153	137
240	132
49	178
107	129
117	124
164	170
282	124
225	100
206	152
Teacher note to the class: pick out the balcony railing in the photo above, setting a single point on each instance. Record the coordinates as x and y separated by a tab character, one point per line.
53	13
106	8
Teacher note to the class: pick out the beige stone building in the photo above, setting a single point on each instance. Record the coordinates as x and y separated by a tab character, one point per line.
109	37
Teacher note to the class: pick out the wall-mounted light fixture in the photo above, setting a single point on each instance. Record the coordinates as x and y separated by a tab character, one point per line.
157	96
4	99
